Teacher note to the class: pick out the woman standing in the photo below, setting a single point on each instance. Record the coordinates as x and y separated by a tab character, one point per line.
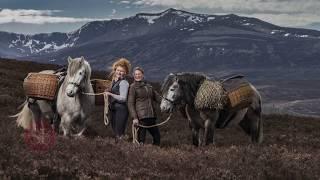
118	97
140	104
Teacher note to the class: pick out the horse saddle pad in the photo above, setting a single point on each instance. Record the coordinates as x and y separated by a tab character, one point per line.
239	92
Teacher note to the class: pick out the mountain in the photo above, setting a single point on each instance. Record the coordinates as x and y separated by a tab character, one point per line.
176	40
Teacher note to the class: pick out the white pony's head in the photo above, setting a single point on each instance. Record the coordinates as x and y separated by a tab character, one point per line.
78	75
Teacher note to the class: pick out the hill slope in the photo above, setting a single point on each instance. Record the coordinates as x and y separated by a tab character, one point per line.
291	147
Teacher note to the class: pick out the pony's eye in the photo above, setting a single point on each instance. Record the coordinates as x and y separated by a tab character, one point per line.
80	73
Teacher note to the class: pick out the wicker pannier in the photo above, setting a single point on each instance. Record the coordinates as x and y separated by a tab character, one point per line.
239	92
41	86
99	86
241	97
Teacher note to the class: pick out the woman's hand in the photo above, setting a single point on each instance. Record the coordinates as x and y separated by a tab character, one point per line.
135	122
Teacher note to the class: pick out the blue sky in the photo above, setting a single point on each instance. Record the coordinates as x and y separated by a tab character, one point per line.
36	16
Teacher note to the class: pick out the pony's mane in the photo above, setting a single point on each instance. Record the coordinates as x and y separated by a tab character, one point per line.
191	77
186	77
76	64
167	81
88	71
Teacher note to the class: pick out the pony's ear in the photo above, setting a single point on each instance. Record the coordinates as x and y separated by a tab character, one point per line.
69	59
81	59
175	78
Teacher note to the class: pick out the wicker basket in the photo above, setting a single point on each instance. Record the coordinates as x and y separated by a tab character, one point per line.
99	86
41	86
241	97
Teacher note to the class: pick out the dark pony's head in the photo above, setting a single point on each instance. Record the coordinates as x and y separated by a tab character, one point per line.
178	89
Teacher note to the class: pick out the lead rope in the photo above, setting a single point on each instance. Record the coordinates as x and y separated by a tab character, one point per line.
135	129
106	109
106	105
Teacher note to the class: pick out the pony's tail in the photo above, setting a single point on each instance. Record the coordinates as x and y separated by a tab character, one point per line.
24	117
260	124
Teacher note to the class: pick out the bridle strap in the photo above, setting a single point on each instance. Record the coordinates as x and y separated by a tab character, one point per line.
77	85
170	101
74	83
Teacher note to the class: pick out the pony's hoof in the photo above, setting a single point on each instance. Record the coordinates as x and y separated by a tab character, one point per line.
79	137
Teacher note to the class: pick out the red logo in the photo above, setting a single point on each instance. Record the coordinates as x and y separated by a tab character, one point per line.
40	137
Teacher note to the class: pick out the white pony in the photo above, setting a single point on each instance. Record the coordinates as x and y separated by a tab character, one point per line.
73	107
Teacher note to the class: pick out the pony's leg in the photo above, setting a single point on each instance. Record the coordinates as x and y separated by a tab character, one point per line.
195	137
36	112
65	124
209	120
210	139
208	133
56	122
83	127
256	128
252	125
81	132
83	123
245	125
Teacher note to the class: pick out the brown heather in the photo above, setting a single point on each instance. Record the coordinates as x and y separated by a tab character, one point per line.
291	147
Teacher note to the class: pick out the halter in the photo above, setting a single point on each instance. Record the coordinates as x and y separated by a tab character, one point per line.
78	84
75	84
170	101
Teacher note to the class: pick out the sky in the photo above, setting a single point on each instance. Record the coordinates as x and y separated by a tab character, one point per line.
43	16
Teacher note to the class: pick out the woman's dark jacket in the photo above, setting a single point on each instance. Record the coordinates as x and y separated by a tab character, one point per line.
140	100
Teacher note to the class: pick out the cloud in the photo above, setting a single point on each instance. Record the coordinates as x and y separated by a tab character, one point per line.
125	2
283	6
282	10
139	3
37	17
287	19
114	11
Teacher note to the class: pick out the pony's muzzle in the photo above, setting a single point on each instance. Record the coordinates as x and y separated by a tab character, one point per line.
71	90
165	109
70	93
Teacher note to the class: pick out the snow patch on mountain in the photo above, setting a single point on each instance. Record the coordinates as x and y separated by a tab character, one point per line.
149	18
190	17
35	46
196	19
210	18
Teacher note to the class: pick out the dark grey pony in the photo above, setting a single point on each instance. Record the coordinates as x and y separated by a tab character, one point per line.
179	92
